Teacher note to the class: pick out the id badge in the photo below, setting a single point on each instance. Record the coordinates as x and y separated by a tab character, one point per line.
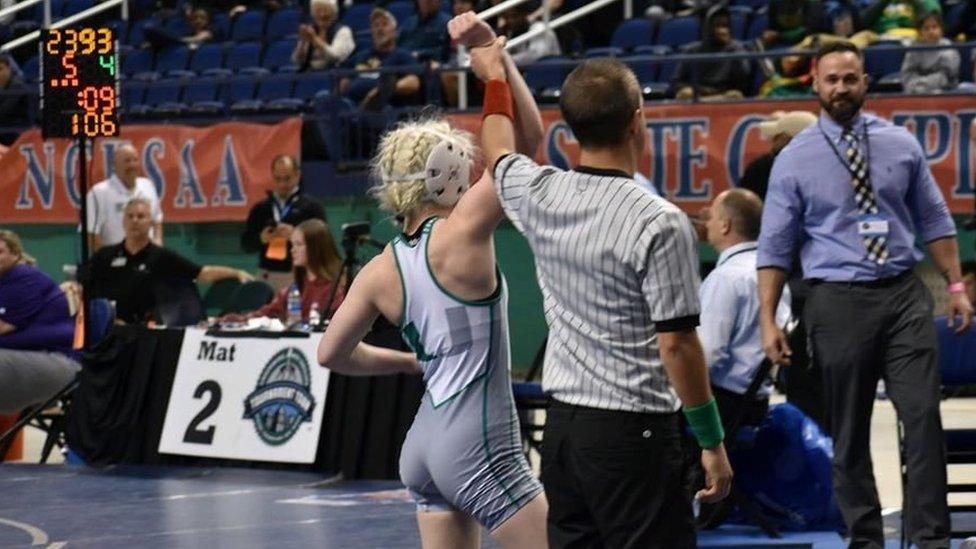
872	225
118	262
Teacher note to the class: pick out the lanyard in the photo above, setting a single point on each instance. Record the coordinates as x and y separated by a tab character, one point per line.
280	212
840	157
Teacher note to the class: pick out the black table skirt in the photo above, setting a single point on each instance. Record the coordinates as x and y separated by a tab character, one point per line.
118	411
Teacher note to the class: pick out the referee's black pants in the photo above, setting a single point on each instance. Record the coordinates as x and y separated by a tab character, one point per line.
614	480
858	333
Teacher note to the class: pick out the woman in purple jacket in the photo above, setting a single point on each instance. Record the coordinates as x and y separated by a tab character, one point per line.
36	331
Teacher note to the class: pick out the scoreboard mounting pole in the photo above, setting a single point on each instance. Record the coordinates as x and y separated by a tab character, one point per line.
79	100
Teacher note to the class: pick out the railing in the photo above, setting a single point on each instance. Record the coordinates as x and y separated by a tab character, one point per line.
70	20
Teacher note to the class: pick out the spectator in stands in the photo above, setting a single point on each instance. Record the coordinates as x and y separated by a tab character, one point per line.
13	100
108	198
780	129
200	31
198	17
515	22
930	71
722	78
424	34
316	267
271	222
791	20
325	43
896	18
370	89
130	271
36	331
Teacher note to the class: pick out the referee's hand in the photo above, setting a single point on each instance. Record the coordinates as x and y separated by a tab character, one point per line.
718	475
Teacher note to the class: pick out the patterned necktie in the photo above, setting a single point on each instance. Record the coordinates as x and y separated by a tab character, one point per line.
877	246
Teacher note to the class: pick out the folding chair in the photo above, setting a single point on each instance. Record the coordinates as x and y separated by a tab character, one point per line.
46	416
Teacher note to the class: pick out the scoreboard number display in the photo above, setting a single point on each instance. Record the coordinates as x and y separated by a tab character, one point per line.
79	82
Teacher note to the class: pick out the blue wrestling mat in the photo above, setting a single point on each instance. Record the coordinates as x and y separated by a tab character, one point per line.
149	507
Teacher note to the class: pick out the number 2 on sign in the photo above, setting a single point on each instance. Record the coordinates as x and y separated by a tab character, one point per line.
193	433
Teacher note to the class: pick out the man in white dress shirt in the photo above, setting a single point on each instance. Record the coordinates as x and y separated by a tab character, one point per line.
729	329
107	200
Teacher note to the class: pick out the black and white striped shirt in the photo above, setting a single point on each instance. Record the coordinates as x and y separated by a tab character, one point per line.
616	265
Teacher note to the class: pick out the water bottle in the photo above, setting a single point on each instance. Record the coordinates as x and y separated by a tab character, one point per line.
314	317
294	306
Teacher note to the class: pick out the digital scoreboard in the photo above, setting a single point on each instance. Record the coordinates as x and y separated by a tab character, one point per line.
79	82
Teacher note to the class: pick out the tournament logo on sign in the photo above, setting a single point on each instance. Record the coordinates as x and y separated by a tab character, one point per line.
283	397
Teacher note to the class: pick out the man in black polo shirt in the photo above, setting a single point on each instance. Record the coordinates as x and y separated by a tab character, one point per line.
127	272
271	221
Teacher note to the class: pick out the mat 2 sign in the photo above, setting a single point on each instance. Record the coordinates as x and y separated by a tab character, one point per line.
250	398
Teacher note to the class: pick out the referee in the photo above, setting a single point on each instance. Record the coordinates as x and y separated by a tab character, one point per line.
618	270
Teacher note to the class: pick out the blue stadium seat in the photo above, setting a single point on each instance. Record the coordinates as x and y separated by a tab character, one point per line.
197	91
278	55
136	36
32	69
275	87
72	7
738	21
545	77
633	33
202	97
172	59
137	61
177	25
759	23
880	59
645	71
603	52
679	31
220	26
207	56
163	91
239	89
282	23
649	73
311	83
248	26
402	9
357	17
243	55
133	93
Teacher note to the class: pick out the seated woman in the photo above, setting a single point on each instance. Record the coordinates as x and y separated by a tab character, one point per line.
36	331
316	265
325	43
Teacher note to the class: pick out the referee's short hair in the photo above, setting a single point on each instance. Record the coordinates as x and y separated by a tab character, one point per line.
744	208
598	100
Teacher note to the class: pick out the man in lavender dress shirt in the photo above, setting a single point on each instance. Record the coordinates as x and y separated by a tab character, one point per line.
851	194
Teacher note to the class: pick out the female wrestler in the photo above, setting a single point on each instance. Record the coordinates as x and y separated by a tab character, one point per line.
462	459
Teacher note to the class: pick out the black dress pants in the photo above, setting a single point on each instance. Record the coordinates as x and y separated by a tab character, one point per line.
613	479
860	332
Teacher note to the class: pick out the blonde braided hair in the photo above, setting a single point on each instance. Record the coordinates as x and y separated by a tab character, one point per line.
402	153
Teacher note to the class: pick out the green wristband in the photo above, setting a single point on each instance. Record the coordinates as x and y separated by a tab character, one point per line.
706	424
